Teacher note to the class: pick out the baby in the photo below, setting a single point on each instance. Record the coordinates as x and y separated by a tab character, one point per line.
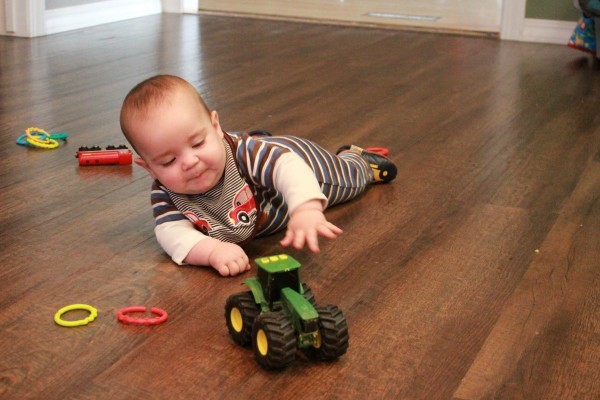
213	191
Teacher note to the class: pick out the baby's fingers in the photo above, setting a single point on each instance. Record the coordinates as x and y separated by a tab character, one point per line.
288	239
238	266
299	239
223	270
329	231
312	242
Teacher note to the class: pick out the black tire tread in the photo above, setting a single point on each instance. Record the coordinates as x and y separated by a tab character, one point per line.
334	333
244	301
281	339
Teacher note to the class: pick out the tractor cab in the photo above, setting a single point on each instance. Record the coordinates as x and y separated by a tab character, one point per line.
276	273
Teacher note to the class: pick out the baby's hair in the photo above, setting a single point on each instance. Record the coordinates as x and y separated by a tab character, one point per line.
150	93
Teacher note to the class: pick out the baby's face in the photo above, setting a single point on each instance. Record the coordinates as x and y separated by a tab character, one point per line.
180	144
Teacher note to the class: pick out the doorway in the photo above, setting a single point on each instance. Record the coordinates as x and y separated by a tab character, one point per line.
469	16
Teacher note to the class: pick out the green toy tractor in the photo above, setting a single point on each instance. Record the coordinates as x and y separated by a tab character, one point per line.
279	315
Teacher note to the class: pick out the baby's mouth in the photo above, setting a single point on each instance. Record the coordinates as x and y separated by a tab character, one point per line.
197	175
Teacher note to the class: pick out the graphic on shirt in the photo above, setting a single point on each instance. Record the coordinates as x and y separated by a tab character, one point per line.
244	205
201	224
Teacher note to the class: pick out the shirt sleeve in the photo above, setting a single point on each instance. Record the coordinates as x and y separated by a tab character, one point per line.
296	181
163	208
178	238
272	166
174	232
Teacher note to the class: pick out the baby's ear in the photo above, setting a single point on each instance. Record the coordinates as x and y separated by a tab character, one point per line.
139	161
214	120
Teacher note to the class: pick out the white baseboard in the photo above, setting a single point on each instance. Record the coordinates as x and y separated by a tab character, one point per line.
547	31
180	6
172	6
69	18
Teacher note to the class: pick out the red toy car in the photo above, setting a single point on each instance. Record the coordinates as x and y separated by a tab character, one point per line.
244	205
201	224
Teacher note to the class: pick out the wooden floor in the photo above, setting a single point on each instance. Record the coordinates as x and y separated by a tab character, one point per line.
481	16
475	275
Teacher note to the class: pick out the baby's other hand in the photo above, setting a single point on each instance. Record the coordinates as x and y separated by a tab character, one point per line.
229	259
306	224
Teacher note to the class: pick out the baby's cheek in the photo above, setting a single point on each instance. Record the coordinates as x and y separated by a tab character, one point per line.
172	180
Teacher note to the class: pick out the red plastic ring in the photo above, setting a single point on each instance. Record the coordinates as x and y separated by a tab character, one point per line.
123	317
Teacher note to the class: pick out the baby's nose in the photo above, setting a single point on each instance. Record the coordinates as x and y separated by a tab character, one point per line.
189	161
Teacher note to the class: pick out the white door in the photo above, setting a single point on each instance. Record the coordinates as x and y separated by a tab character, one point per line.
462	15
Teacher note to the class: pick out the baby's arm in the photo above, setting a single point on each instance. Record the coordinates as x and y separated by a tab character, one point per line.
274	166
185	244
305	201
306	223
228	259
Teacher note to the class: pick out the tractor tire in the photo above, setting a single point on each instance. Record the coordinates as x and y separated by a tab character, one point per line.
309	295
273	340
240	312
333	332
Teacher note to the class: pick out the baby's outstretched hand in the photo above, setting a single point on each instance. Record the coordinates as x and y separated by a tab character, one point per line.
306	224
228	259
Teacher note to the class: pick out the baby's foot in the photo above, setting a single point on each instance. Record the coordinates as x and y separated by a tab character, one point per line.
383	168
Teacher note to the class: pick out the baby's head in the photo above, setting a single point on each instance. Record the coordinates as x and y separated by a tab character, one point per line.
179	141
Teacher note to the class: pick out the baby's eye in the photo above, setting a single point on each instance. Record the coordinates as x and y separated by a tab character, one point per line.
166	164
196	145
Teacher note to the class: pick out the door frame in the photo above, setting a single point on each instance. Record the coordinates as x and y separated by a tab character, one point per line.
22	17
512	19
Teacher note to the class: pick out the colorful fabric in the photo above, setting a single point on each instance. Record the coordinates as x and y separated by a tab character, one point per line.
584	36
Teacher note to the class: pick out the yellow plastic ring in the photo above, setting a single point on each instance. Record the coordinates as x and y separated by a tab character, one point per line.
39	131
48	144
85	321
41	138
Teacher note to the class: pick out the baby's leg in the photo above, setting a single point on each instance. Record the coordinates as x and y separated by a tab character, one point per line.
341	177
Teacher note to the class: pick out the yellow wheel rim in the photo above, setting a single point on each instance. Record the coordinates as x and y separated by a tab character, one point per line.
318	341
262	343
236	319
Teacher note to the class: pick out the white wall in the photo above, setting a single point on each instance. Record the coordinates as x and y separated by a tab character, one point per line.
96	13
30	18
52	4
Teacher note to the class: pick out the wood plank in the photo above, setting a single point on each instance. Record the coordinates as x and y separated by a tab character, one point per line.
497	146
535	349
